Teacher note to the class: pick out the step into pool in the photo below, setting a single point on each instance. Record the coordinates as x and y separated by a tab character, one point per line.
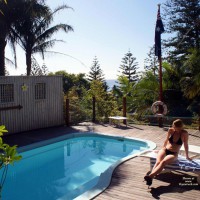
77	166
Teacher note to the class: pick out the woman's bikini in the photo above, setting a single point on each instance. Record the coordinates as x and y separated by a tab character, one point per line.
179	142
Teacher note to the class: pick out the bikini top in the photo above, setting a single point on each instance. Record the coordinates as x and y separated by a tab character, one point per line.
179	142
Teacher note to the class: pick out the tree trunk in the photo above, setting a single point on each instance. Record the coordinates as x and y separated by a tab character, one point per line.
93	109
199	118
2	56
28	64
124	110
67	120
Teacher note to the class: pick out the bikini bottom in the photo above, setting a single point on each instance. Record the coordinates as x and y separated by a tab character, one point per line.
168	152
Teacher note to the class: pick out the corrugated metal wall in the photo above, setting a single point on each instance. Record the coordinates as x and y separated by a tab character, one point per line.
35	113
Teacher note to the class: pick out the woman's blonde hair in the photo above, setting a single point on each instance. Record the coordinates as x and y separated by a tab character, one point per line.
178	123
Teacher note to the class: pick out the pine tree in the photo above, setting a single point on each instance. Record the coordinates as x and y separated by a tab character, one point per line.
129	67
151	63
96	72
183	21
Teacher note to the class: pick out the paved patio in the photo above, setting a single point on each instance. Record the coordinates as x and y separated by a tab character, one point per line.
127	180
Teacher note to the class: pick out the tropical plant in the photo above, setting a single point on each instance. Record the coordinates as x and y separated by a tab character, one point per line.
171	77
145	93
34	33
10	13
8	155
125	86
172	94
125	89
191	81
182	22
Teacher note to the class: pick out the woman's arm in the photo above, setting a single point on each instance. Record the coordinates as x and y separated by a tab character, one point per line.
185	141
166	140
165	144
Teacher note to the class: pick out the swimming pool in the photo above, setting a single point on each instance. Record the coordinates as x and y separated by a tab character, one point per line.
77	166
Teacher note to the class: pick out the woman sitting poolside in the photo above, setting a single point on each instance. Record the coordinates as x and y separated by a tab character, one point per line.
176	136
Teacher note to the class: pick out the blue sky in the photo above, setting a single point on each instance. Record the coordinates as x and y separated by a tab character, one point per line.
107	29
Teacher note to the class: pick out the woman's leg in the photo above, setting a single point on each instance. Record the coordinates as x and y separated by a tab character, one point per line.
168	159
160	157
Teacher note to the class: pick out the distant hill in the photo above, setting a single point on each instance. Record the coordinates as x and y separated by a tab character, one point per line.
111	83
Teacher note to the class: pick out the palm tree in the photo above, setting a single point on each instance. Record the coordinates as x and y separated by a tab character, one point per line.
10	13
35	35
145	93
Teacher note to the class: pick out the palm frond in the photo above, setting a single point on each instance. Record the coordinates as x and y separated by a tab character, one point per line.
47	19
55	52
10	62
13	45
16	38
49	32
61	8
41	48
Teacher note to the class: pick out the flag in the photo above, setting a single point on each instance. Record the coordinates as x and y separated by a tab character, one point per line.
158	31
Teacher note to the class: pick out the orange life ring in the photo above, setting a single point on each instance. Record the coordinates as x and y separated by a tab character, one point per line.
155	107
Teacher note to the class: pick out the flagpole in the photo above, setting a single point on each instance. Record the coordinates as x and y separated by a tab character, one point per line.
160	80
160	119
160	73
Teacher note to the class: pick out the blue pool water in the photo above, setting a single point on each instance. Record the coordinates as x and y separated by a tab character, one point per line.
66	169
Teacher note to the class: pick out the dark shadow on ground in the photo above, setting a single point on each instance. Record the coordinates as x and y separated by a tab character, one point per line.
131	126
121	127
178	183
90	128
30	137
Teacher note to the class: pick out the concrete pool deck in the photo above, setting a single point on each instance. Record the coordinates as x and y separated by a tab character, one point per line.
127	180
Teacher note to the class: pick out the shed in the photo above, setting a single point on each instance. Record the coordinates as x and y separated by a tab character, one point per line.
31	102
